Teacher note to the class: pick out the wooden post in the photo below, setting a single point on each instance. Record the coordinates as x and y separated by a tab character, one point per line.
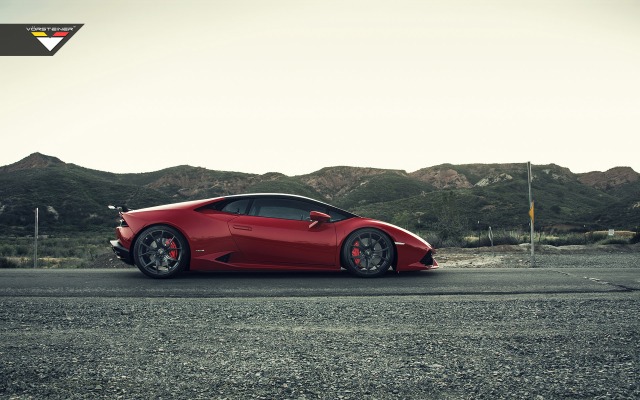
531	213
35	243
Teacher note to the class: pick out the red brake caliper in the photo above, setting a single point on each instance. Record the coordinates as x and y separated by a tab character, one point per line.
173	253
355	253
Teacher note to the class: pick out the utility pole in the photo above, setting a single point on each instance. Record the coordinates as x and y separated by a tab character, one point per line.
531	212
491	239
35	243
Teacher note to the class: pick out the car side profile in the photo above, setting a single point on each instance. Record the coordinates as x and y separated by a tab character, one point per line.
270	231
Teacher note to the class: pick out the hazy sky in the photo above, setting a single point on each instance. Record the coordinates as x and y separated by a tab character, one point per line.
294	86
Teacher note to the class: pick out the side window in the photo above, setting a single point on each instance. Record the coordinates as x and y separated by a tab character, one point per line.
283	208
236	207
336	215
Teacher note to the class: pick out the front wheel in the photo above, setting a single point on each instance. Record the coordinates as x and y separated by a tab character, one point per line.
161	252
368	252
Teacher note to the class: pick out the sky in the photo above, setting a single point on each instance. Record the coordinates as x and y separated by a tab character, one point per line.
294	86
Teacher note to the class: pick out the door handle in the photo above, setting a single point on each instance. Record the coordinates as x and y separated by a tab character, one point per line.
242	227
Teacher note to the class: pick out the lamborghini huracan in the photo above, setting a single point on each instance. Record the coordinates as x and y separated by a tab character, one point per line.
264	232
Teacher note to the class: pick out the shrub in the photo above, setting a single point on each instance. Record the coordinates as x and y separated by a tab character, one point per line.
614	241
565	240
22	250
6	263
499	238
438	241
7	250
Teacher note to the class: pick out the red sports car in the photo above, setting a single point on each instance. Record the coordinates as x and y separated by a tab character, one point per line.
264	232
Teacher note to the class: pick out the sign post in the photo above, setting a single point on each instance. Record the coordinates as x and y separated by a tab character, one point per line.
35	243
491	239
531	213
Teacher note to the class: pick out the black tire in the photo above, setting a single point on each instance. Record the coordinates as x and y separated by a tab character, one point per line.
161	252
368	253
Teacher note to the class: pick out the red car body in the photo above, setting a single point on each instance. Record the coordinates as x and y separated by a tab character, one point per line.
218	239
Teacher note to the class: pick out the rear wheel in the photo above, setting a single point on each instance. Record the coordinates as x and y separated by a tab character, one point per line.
161	252
368	252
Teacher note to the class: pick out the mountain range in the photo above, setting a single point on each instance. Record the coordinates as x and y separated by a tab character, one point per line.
71	198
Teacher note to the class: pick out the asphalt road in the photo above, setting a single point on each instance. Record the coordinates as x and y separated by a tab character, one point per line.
532	333
132	283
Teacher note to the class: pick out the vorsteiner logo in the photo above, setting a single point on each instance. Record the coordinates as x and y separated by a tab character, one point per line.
23	39
50	42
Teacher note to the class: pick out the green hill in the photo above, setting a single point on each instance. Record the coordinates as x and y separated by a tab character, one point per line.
445	197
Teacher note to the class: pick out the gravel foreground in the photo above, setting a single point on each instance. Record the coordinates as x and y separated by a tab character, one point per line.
574	346
460	347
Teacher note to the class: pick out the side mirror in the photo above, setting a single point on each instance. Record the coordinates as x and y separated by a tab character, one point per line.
317	216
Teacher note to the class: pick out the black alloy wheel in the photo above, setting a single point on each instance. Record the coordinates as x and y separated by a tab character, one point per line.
368	252
161	252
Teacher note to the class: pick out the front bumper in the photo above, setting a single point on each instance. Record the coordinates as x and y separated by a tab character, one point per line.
121	252
426	260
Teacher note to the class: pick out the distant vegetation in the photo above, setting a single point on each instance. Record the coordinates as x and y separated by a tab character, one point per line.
447	203
510	237
74	251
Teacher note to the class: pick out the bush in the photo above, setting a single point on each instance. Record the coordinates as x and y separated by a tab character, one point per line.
501	238
614	241
438	241
566	240
7	250
6	263
22	250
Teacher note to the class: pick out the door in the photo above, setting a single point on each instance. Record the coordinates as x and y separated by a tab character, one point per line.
277	232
